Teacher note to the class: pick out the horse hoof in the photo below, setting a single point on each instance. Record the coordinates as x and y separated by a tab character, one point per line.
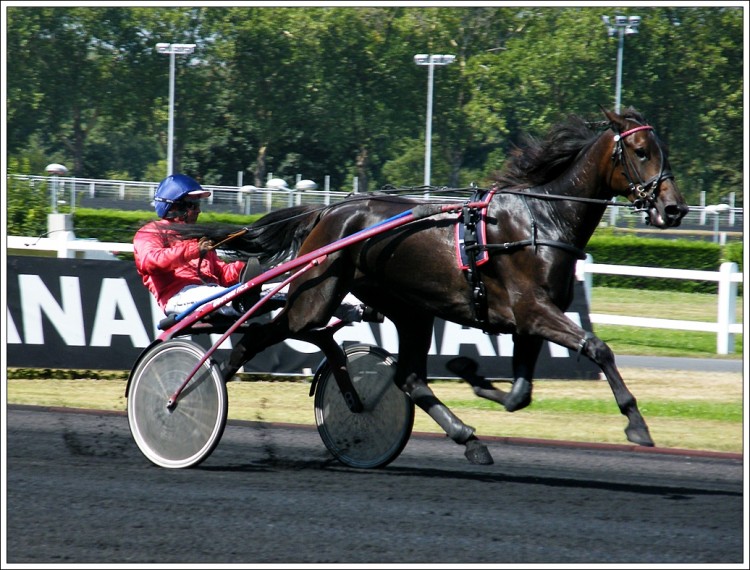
519	396
477	453
639	436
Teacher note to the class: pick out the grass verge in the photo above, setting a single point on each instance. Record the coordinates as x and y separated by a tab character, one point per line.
688	410
666	305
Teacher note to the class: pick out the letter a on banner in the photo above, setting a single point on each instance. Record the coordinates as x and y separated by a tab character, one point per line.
115	295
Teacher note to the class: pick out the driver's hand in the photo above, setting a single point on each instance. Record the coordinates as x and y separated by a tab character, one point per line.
205	245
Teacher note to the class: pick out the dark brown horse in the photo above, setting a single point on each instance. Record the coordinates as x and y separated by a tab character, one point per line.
546	205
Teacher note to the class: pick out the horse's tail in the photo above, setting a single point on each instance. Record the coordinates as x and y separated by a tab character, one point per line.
274	238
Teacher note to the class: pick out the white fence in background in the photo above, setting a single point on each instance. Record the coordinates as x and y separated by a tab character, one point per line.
68	193
727	277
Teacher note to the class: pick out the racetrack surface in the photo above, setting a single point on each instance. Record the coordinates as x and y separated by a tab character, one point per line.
79	491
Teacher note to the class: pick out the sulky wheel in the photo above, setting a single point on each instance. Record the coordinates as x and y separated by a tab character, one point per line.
184	435
375	436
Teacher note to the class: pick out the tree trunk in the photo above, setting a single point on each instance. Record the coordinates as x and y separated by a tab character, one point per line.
261	167
363	162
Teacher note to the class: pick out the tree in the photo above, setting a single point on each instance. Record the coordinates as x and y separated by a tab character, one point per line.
334	90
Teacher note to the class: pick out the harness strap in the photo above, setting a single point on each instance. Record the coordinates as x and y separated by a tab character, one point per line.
507	246
471	245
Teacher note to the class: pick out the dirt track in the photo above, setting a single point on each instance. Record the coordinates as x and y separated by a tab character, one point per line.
79	491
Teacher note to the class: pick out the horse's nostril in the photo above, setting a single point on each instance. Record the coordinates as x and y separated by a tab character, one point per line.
675	210
674	214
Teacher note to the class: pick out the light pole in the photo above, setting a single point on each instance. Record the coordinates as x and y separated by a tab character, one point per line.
430	61
172	49
623	26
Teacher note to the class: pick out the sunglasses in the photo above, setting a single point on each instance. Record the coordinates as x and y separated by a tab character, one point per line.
191	204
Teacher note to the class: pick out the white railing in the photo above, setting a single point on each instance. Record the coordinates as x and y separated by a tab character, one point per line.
68	193
727	277
64	248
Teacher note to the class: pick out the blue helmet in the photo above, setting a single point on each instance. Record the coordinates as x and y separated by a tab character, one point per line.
173	189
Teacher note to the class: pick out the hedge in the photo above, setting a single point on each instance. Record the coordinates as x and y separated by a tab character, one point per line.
655	252
120	226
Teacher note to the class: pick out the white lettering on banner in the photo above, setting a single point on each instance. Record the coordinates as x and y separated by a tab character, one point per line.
227	344
359	332
114	295
13	336
505	345
301	346
557	351
156	315
356	332
388	336
454	335
35	298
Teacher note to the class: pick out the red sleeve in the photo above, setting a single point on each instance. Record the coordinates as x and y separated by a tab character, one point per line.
228	273
154	249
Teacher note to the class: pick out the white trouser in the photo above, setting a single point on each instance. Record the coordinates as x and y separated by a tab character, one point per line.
350	309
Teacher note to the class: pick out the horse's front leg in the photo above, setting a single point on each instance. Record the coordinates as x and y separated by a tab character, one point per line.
552	324
597	350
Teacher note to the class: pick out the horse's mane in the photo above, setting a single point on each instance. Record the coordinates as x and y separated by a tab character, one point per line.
537	162
274	238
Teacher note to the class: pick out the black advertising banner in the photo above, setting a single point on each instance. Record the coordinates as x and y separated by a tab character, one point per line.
97	315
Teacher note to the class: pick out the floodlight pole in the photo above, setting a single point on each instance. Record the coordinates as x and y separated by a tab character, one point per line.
430	61
622	26
172	49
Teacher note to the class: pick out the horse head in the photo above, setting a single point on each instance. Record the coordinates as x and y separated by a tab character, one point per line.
640	171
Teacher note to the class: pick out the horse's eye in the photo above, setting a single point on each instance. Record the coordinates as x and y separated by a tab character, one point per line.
641	154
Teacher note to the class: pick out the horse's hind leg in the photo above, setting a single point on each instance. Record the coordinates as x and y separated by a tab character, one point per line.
525	353
411	372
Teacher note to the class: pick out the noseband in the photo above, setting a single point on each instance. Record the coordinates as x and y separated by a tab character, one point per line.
645	192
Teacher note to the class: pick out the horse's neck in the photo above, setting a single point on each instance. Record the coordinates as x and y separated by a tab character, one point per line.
582	180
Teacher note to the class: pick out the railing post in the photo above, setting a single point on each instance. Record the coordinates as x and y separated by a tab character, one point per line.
726	308
585	276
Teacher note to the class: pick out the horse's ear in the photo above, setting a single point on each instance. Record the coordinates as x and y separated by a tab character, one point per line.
614	119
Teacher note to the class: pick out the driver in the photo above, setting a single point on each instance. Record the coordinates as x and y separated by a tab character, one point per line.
180	273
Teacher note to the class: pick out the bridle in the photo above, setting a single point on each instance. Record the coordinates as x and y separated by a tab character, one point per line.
644	192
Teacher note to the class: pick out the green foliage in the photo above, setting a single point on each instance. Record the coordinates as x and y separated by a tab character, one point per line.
715	411
109	225
120	226
660	342
654	252
334	91
734	252
26	204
